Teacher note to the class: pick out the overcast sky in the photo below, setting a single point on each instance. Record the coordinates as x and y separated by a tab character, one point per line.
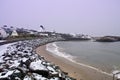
93	17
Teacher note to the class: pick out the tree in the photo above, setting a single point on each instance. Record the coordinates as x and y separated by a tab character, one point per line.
4	25
42	27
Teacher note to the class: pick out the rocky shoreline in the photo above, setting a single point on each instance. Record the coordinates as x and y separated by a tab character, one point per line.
21	62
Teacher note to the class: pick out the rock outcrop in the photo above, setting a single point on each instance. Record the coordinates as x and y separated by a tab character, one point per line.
108	39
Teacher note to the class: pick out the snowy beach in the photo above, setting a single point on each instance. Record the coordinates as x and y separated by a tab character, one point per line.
78	71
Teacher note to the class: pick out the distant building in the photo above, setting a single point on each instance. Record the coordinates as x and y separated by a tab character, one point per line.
47	34
43	34
3	33
14	33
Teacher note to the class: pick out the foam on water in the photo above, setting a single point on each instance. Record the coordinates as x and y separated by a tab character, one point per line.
53	48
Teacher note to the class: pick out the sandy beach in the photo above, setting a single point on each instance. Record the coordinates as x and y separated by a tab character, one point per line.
74	70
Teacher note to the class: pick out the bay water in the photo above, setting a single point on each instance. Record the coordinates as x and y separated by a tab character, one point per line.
101	56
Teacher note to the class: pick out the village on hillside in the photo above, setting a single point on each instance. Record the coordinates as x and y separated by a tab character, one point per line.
12	33
9	33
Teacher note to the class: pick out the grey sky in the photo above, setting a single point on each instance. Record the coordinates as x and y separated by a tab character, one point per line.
94	17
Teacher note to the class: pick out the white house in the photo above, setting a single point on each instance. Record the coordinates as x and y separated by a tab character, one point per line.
3	33
43	34
14	33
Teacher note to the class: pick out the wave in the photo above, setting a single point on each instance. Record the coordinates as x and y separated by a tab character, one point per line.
53	48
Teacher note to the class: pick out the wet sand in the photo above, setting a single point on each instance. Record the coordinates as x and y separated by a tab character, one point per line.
74	70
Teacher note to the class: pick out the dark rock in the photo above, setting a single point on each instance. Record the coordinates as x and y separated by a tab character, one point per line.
13	53
27	63
4	78
21	74
44	73
1	69
107	39
16	75
25	52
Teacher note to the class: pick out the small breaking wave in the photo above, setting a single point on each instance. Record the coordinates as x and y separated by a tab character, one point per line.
53	48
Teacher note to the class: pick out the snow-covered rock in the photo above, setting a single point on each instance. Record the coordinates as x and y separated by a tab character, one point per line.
37	65
19	61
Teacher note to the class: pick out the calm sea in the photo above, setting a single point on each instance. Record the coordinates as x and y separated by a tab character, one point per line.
100	56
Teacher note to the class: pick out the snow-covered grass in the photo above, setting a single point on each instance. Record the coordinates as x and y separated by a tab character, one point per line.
2	40
3	48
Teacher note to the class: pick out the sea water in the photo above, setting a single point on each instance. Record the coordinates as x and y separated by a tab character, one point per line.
100	56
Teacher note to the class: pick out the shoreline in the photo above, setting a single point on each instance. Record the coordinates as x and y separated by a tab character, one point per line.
74	70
